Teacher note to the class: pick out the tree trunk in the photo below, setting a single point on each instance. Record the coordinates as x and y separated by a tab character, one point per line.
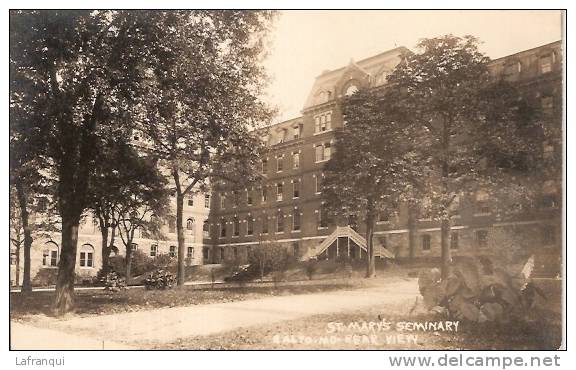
411	233
129	263
23	203
18	248
65	281
371	263
105	248
445	226
445	238
180	232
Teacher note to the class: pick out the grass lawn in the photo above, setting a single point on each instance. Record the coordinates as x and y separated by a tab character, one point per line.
321	332
97	302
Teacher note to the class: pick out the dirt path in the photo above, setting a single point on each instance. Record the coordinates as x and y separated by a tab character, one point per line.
169	324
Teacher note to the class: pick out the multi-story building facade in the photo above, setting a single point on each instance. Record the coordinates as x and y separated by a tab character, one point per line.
287	207
45	252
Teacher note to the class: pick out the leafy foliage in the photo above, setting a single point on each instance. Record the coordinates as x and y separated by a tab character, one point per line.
160	279
475	294
113	282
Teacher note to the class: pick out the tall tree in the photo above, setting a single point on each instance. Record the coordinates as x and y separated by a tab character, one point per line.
204	101
473	129
371	171
83	68
144	204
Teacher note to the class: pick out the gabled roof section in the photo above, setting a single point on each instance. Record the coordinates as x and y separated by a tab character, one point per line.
326	85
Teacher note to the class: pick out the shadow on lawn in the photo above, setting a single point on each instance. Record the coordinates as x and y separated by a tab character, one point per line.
98	302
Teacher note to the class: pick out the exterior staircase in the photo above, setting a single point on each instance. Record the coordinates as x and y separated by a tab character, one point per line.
345	231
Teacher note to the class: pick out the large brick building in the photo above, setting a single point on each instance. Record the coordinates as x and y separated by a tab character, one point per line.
287	206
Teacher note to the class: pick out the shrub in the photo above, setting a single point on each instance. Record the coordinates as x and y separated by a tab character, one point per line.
478	291
141	263
160	279
113	282
267	258
45	277
311	268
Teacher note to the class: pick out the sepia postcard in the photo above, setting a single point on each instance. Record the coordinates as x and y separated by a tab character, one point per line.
287	180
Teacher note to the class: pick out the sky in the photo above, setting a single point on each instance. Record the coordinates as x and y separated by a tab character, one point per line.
305	43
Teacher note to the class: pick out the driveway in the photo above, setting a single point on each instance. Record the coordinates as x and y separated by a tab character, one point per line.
169	324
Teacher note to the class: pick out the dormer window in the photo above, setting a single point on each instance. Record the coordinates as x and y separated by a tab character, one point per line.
546	62
512	69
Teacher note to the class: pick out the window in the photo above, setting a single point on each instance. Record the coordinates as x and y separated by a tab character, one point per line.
318	183
172	251
189	252
550	201
323	152
482	238
279	222
264	165
235	251
426	242
322	219
249	226
206	254
351	90
153	250
280	163
206	229
383	242
87	256
279	192
264	225
264	194
546	63
222	228
548	150
235	198
134	247
547	104
383	217
283	135
222	254
222	201
297	131
548	235
190	224
454	240
296	160
296	220
322	122
53	258
249	197
236	227
171	225
512	69
482	204
296	189
296	249
248	251
206	200
327	151
190	200
319	148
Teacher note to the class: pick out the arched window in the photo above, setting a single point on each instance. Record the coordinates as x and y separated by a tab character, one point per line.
351	89
190	224
87	256
50	254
